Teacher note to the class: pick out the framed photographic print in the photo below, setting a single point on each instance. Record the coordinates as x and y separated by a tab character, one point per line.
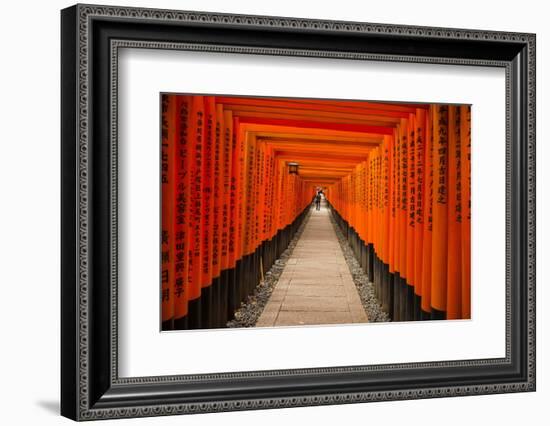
263	212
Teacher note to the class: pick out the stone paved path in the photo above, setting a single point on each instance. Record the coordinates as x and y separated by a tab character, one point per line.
316	286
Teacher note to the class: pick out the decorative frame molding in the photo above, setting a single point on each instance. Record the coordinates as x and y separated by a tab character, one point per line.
91	37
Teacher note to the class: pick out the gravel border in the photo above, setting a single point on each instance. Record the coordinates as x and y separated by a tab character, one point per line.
365	288
250	310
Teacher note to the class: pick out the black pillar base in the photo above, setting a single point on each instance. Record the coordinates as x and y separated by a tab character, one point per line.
167	325
396	298
386	289
206	307
409	302
245	277
236	286
425	316
370	262
417	309
215	289
438	315
232	292
194	314
363	258
405	299
224	298
181	323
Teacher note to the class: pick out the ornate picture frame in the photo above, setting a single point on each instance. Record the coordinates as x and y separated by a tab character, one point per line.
91	37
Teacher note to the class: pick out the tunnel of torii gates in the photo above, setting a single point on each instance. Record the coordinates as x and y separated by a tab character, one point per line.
396	178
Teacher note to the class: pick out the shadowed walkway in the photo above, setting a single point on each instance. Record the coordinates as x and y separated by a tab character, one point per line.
316	286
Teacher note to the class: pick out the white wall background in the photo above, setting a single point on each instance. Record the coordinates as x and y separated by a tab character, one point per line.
30	228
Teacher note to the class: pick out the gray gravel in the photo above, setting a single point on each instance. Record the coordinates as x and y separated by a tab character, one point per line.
365	288
250	310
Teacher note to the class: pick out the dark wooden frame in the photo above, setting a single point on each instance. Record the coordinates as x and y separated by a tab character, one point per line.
90	386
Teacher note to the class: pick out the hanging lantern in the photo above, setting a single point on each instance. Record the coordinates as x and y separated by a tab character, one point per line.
293	168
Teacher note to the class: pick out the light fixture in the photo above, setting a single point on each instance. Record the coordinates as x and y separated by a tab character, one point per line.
293	168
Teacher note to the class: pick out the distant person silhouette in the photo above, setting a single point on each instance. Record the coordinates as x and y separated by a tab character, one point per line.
318	201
